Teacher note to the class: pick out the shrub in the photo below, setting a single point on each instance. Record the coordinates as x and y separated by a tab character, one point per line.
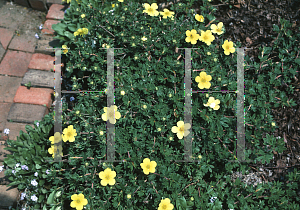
149	115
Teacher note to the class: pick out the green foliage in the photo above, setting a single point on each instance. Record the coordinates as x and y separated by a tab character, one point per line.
147	132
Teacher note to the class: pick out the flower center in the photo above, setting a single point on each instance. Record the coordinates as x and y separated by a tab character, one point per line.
203	80
78	200
148	166
107	177
212	105
181	129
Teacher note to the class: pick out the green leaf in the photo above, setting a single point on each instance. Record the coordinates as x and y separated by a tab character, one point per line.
59	28
13	183
51	198
37	166
10	162
72	27
69	35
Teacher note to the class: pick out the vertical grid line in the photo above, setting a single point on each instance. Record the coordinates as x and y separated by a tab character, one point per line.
58	105
110	102
188	105
240	148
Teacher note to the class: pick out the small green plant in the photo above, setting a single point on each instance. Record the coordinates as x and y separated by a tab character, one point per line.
28	85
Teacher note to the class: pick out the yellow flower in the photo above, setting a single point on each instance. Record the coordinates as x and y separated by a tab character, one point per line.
145	106
113	5
228	47
165	204
65	50
207	95
108	177
85	30
200	18
192	36
208	53
170	95
171	138
52	149
203	80
192	198
144	38
111	114
212	103
217	29
78	201
200	156
206	37
151	10
273	124
122	92
121	0
83	15
101	133
182	129
159	129
166	13
69	134
56	138
81	31
128	196
77	112
147	166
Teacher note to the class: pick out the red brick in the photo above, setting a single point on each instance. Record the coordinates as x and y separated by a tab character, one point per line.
37	96
47	28
56	12
6	36
24	43
38	5
42	62
15	63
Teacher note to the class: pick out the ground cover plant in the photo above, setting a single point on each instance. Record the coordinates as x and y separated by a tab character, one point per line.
149	115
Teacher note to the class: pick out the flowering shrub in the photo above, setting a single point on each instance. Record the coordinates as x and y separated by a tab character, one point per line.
148	115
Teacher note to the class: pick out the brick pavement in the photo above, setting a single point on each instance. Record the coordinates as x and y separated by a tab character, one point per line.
23	58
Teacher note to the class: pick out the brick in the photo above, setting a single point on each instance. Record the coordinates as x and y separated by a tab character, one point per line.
38	5
14	130
6	37
56	12
47	42
24	43
42	62
38	79
4	107
23	3
15	63
47	28
9	196
8	88
26	113
36	96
